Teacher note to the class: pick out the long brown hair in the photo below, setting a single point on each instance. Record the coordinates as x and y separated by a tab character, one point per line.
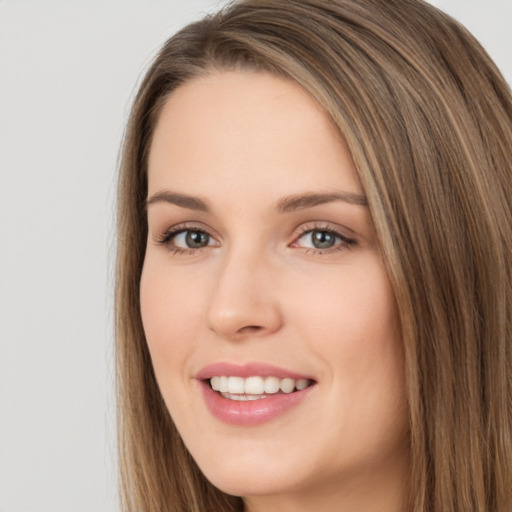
427	118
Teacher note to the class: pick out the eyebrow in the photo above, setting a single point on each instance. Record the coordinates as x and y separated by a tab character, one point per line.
286	204
183	200
304	201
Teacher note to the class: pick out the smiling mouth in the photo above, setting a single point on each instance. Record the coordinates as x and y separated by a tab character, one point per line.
255	387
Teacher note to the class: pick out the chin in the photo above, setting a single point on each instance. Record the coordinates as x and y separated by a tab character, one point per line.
251	475
249	483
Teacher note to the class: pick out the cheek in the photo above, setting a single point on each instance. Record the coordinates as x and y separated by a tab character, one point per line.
349	309
372	348
167	309
351	322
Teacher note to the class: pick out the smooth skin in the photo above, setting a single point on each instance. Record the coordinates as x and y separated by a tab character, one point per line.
231	275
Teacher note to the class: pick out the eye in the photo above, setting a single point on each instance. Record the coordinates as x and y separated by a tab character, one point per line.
184	239
323	240
191	239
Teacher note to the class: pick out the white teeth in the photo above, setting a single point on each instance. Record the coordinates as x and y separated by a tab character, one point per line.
255	386
215	383
223	384
243	398
301	384
236	385
220	383
287	385
271	385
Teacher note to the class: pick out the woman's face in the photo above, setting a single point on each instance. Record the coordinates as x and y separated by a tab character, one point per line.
263	278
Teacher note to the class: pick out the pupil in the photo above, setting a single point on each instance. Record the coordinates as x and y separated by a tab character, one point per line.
196	239
323	239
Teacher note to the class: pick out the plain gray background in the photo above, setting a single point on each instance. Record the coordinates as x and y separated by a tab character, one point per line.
68	71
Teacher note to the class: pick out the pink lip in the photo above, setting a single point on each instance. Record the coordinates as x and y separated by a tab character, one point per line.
250	412
247	370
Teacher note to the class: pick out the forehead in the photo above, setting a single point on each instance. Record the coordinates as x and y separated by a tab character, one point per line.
247	129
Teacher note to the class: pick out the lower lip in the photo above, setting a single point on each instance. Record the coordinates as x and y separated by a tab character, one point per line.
251	412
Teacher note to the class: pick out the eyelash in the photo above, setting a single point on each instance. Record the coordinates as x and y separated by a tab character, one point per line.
344	242
168	236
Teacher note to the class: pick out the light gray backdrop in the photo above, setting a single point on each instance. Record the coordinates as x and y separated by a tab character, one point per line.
67	74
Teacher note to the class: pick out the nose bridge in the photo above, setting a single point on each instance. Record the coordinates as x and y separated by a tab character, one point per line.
242	301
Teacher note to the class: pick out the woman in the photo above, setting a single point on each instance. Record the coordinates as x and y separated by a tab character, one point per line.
314	286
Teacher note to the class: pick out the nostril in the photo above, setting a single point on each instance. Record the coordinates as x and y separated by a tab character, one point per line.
248	329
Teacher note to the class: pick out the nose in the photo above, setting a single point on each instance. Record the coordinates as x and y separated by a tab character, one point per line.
244	302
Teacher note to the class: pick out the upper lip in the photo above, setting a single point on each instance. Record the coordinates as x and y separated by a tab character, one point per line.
248	370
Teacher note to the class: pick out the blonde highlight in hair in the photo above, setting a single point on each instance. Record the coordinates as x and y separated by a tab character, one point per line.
427	118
